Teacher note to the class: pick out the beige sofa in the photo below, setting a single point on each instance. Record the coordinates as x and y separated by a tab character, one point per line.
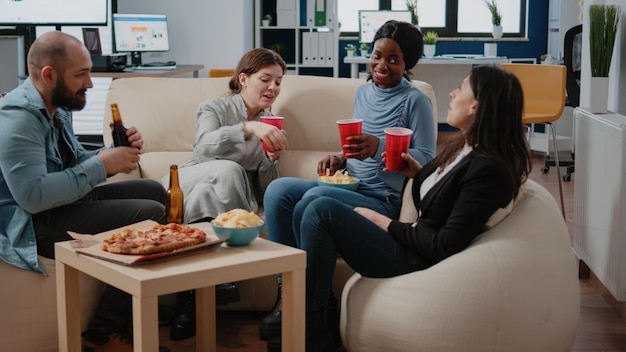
514	289
164	111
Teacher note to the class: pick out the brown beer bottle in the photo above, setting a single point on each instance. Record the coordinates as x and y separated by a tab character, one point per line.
175	208
118	130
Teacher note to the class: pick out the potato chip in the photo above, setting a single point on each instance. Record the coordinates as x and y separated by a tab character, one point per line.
338	178
237	218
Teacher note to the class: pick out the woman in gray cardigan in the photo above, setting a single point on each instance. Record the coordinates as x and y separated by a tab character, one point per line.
228	168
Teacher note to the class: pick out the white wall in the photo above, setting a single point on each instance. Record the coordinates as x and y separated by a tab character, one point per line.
617	80
11	62
215	33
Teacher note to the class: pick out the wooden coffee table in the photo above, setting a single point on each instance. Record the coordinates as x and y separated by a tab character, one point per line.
199	269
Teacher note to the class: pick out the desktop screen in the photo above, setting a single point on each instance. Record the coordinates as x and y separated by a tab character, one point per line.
371	20
54	12
139	33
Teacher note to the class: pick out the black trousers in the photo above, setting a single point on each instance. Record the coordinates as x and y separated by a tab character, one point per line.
105	208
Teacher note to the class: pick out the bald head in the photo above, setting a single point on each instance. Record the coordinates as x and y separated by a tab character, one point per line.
54	49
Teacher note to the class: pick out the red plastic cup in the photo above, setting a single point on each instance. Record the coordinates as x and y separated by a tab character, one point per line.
349	128
397	142
274	121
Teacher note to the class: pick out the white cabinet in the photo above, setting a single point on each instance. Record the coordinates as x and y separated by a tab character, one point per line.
600	198
304	32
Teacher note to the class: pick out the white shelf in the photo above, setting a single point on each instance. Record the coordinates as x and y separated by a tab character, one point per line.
296	51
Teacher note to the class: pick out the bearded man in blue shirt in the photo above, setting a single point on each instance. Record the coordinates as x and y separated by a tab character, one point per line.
50	184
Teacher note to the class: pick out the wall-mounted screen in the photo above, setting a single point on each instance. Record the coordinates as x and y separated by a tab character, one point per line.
371	20
53	12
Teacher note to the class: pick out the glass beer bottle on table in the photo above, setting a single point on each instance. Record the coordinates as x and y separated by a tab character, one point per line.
175	208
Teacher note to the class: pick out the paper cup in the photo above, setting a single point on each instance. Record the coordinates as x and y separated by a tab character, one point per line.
397	142
349	128
274	121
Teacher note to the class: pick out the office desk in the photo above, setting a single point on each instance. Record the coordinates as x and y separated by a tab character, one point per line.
444	74
179	70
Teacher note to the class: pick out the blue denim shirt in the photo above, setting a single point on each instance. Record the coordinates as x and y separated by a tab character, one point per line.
32	176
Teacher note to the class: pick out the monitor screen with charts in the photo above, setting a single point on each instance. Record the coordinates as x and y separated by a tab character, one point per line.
136	34
371	20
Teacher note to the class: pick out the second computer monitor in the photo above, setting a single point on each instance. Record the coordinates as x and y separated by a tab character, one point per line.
371	20
139	33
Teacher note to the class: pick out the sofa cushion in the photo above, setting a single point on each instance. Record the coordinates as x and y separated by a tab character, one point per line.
163	109
29	307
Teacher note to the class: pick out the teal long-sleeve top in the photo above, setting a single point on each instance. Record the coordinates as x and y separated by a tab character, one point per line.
42	166
404	105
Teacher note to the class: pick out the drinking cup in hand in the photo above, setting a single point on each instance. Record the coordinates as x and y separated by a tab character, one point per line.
274	121
349	128
397	142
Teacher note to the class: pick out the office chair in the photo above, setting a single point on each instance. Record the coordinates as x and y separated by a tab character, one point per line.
572	60
221	72
544	100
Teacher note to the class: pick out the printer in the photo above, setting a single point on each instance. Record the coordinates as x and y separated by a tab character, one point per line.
109	62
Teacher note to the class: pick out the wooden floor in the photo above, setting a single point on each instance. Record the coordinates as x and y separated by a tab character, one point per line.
599	328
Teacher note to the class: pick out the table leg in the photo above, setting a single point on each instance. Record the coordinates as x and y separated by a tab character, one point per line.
68	308
354	70
195	74
145	324
293	310
206	335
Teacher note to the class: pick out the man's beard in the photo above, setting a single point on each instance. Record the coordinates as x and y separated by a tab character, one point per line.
64	98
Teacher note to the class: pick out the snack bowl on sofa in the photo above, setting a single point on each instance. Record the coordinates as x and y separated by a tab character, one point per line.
238	236
349	186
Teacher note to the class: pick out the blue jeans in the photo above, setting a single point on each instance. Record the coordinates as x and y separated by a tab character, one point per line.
321	221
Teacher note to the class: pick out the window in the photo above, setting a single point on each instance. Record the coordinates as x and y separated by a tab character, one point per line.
449	18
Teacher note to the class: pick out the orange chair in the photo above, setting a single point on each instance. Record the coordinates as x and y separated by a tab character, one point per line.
544	100
221	72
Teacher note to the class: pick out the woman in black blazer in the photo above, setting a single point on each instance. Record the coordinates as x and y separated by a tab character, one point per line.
477	173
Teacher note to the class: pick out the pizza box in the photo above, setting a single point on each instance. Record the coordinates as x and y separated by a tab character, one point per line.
90	244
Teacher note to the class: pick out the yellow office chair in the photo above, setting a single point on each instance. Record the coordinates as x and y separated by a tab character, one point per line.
221	72
544	100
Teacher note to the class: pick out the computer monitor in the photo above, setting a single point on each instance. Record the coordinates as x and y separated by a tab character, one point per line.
371	20
54	13
137	34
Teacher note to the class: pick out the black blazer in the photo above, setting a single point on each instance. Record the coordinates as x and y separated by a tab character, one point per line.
454	211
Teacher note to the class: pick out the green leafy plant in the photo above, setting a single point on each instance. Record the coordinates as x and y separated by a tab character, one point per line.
364	47
350	47
278	48
431	37
496	16
411	5
603	20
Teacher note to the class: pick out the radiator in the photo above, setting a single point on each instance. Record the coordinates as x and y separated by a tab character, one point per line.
600	197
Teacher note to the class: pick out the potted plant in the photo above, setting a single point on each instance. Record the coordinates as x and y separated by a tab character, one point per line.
265	21
496	17
350	49
278	48
364	48
603	20
411	5
430	39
